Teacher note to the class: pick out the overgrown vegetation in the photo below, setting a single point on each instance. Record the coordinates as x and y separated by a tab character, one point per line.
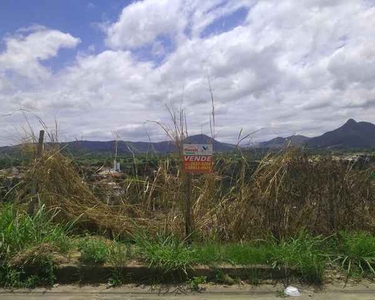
20	231
287	210
280	195
32	247
356	253
30	242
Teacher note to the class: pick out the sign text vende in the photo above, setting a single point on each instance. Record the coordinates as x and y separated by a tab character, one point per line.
197	158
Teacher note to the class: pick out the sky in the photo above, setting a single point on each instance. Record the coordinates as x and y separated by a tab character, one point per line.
107	69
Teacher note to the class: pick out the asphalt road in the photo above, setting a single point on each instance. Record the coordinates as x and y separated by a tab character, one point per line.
102	292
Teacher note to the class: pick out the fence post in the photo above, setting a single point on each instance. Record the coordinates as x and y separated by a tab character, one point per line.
39	153
40	145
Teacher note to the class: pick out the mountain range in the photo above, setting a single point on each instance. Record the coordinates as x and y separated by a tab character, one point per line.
124	147
350	135
279	142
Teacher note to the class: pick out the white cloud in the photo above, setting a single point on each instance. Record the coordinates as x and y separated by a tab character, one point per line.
23	54
142	22
291	67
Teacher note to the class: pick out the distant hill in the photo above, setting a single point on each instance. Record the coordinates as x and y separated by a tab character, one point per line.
351	135
143	147
280	142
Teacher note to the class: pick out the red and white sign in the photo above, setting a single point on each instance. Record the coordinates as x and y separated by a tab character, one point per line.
197	158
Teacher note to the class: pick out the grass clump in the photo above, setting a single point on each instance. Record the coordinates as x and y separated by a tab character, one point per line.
247	253
243	254
355	253
118	255
195	282
305	253
94	250
31	246
19	231
10	277
209	254
167	253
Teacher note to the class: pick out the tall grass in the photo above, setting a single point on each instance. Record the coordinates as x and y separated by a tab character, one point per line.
30	240
281	195
20	231
355	252
290	191
165	252
303	252
35	239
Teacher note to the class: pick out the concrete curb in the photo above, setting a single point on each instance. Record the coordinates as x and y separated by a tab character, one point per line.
66	274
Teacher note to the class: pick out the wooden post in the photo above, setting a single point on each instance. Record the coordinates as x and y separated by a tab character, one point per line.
40	145
188	216
39	153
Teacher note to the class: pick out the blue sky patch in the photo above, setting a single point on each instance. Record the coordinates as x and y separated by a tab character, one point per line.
76	17
225	23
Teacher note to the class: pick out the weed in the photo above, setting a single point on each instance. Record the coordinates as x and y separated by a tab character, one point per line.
10	277
31	282
118	278
209	254
21	277
304	253
118	254
46	271
93	250
194	283
247	254
19	231
236	254
355	253
167	253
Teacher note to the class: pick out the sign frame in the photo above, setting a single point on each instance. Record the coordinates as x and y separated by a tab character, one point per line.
197	158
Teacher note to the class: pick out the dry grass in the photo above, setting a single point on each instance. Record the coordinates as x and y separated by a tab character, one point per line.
289	192
286	193
59	186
